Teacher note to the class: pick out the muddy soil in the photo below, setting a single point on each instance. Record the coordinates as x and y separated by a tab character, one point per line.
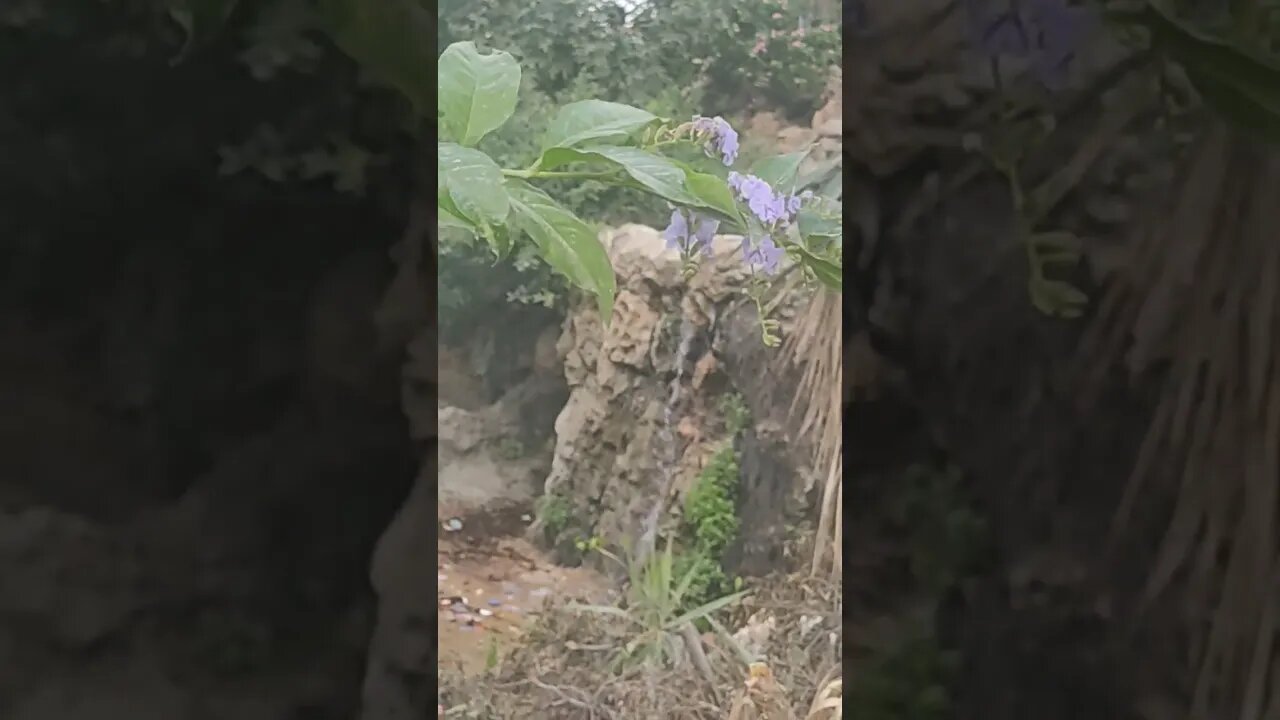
492	582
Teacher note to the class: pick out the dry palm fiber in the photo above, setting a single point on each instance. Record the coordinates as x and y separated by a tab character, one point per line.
816	345
1199	292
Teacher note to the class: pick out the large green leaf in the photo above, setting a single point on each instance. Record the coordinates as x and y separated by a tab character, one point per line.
387	38
587	120
780	170
568	244
659	175
473	182
1242	86
653	171
447	215
477	93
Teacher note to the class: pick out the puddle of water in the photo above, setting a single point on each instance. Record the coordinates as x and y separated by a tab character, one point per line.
489	589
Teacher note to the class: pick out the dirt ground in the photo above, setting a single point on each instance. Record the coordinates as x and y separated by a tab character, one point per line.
492	583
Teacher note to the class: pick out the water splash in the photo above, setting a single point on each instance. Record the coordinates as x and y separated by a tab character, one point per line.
669	458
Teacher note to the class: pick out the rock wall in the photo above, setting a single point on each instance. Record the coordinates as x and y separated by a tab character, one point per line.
610	450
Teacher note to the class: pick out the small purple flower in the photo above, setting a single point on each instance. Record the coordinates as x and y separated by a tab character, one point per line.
767	206
764	256
680	237
723	138
705	233
677	232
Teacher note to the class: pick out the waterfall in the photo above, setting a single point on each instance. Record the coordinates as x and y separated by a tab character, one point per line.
669	451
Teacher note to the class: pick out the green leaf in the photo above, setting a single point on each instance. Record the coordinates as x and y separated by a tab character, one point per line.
588	120
780	170
477	93
559	156
826	180
653	172
386	38
446	217
473	182
714	193
827	272
1243	86
202	19
704	610
683	587
567	243
814	223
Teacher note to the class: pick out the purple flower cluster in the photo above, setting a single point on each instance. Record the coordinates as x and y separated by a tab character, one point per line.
769	207
774	210
690	233
721	137
1049	32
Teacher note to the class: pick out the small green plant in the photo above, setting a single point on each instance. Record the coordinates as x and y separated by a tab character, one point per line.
734	411
710	523
654	609
554	511
491	654
708	577
509	448
709	509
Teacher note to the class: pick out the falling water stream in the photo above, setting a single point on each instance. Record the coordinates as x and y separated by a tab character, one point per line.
669	452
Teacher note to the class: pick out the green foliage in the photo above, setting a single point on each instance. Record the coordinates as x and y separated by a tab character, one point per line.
907	682
1233	67
509	448
735	413
477	93
709	508
491	654
707	578
655	610
555	512
674	60
745	53
709	524
568	244
604	141
710	56
947	536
